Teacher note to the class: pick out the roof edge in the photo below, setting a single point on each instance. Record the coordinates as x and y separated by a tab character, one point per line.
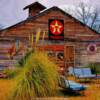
55	8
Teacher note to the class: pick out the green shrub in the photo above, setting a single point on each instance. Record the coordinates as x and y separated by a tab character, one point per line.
95	67
39	78
11	73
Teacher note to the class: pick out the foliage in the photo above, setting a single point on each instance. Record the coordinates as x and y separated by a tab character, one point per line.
95	67
23	60
38	78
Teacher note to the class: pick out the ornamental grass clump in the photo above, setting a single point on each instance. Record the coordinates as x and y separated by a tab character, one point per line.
38	78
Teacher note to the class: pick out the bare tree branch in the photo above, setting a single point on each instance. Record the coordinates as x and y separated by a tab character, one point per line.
89	16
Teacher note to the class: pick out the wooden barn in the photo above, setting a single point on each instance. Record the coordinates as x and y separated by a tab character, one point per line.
67	40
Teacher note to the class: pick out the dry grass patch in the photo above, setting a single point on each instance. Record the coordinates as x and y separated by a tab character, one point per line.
92	92
5	87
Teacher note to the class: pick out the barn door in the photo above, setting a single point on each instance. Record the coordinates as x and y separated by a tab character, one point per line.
69	56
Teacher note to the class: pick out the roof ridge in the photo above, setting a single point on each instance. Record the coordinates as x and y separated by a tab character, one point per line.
55	8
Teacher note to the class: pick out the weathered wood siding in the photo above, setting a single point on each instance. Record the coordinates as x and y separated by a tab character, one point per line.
72	29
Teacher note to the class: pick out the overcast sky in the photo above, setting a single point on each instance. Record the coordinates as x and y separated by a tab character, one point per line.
11	11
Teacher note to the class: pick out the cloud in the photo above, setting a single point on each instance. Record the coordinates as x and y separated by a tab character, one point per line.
12	11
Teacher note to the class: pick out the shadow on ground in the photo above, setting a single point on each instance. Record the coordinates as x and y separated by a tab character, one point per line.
67	93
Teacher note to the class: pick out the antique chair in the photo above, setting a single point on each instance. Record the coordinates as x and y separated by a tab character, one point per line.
83	73
70	85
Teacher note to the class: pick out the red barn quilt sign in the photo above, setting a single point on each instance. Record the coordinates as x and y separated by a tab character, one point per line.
56	29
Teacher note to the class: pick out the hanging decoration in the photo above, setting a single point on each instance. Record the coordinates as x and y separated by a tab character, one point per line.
92	48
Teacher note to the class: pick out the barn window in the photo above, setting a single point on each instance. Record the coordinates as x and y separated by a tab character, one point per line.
51	54
60	55
17	43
